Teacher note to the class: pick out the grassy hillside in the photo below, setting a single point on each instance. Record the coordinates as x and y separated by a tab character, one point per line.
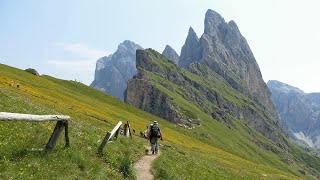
235	136
211	150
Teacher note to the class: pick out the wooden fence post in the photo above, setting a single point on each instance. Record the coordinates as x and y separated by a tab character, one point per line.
55	135
108	137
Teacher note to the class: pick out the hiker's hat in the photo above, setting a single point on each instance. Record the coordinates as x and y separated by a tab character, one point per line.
155	122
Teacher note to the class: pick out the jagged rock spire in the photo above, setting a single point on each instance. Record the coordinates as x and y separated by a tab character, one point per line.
189	51
171	54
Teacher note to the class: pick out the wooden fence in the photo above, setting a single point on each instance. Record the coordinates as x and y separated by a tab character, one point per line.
115	131
62	123
108	136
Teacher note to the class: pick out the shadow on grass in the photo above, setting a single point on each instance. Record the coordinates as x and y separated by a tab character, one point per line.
34	152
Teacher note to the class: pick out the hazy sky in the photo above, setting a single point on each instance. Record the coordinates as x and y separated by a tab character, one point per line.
64	38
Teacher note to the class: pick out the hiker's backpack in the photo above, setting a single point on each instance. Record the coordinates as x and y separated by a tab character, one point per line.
154	131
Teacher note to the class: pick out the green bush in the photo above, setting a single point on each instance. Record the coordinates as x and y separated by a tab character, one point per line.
32	71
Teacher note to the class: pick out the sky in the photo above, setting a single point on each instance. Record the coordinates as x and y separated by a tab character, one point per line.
65	38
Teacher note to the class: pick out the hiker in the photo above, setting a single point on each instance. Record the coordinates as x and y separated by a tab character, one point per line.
18	85
11	84
154	135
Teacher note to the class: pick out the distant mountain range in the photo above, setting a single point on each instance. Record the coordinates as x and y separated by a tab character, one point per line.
298	111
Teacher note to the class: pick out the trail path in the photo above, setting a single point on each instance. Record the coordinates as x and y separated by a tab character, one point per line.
143	166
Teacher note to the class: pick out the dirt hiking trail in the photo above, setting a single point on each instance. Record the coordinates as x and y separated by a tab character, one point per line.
143	166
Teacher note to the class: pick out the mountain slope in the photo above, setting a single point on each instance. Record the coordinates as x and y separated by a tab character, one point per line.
299	112
113	71
93	114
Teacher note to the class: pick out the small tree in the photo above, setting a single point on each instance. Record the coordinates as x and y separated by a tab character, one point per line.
32	71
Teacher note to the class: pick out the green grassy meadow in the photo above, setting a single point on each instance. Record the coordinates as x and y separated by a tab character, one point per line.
210	151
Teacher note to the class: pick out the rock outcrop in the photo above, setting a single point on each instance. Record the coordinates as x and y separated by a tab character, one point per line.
113	71
171	54
298	111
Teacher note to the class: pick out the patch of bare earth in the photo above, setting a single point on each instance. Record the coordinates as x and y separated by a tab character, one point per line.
143	166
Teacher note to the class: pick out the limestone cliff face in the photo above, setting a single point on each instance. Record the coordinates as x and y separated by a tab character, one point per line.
113	71
226	51
299	112
143	95
171	54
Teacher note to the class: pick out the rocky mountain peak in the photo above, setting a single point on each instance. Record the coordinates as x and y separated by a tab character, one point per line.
171	54
113	71
192	36
212	22
127	48
127	44
224	50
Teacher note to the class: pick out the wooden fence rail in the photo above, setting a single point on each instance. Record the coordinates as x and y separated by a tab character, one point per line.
62	123
108	136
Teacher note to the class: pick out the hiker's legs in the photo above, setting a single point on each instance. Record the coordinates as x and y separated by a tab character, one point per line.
152	148
156	146
153	144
